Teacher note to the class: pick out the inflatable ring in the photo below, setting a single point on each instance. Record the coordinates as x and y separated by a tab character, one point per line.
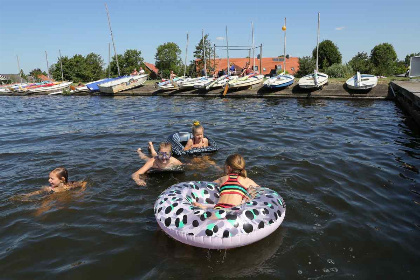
179	140
217	228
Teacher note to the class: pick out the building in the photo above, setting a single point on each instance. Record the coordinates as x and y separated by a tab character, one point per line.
151	70
270	65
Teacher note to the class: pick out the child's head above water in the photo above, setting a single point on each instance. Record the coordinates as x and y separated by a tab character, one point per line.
197	130
58	176
235	164
165	151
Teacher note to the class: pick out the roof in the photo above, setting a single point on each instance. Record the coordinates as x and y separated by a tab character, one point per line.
268	63
151	67
42	77
12	77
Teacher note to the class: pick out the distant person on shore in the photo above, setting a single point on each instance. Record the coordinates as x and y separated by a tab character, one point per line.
134	73
141	71
232	69
245	69
172	75
215	74
58	180
160	160
203	73
198	140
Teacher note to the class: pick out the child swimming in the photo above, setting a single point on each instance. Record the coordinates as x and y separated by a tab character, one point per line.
235	186
160	160
198	140
58	179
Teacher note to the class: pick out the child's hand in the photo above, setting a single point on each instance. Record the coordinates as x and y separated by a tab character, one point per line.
139	150
140	182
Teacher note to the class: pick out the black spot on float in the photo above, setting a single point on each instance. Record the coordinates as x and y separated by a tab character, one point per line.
165	199
177	222
193	195
168	209
184	219
274	202
215	229
226	234
235	208
256	213
265	211
279	213
209	232
261	224
175	204
196	223
216	195
190	233
210	186
269	196
275	216
168	221
179	211
160	209
248	228
270	222
231	217
205	191
249	215
209	201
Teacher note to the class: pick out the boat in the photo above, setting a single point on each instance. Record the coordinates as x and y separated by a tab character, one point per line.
247	81
168	84
189	83
93	86
362	81
50	88
283	80
123	83
202	84
213	83
316	79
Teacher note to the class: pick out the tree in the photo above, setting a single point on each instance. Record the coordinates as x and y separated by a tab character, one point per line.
408	58
198	53
36	73
361	62
400	67
306	66
168	58
328	54
127	62
338	70
383	58
94	67
79	68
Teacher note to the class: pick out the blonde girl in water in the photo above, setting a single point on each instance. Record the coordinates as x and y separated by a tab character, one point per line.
59	182
198	140
235	186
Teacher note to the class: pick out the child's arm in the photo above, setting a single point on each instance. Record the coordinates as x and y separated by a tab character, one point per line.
189	144
141	171
175	161
43	190
152	150
206	142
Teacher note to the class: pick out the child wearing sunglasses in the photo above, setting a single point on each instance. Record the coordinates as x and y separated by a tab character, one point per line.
162	160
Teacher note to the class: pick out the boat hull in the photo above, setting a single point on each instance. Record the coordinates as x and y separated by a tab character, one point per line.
308	81
246	81
280	81
122	84
365	82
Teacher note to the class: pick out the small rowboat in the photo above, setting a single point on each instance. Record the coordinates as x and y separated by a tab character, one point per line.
362	81
247	81
280	81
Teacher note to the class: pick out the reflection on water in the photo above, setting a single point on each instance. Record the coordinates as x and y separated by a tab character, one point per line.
348	171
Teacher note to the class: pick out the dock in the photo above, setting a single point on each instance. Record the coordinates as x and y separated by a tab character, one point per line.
407	94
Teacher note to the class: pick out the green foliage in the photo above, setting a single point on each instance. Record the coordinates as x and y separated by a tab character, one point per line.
306	66
400	67
383	58
127	62
35	73
168	58
408	57
361	62
339	70
198	54
22	74
79	68
328	54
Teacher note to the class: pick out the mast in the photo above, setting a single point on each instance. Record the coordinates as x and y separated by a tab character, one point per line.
284	57
112	37
186	55
204	52
109	60
48	68
61	63
253	48
227	51
317	43
19	70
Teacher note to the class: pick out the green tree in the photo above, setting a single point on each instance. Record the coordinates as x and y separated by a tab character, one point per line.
383	58
338	70
361	62
408	58
306	66
36	73
328	54
94	67
400	67
168	58
127	62
199	52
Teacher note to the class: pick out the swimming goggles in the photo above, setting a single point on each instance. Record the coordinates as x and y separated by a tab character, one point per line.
163	156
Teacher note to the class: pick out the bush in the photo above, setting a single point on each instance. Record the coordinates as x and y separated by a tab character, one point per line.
339	71
306	66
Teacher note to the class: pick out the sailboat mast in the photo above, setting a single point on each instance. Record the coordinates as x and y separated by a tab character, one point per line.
19	71
112	37
109	60
253	47
204	52
186	55
317	44
61	63
48	67
284	56
227	51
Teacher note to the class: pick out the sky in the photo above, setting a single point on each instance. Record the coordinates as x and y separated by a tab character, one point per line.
29	28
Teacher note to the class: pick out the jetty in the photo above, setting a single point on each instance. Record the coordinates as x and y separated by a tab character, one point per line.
407	94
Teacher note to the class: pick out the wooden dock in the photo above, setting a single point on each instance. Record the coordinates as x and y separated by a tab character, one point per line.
407	94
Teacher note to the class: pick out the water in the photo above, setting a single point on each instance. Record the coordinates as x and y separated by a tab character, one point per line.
348	171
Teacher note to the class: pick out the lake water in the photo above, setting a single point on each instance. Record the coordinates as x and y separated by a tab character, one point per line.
348	171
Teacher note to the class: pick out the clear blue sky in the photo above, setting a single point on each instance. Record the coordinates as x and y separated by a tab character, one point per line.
29	28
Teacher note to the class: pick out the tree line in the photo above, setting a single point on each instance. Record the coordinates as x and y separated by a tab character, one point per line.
382	61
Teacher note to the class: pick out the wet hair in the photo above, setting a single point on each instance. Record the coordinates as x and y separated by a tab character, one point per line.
237	163
61	172
164	145
196	126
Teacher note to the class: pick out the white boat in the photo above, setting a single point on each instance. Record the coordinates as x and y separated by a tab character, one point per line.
168	84
202	84
57	88
247	81
189	83
362	81
123	83
213	83
314	80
